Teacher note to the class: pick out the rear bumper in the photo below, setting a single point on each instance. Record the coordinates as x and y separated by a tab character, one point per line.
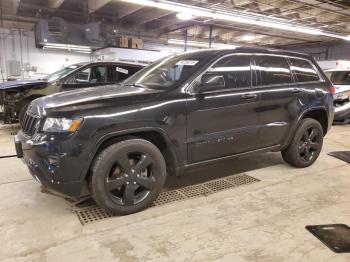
47	167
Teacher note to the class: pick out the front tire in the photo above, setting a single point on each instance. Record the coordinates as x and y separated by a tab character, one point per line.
306	145
127	176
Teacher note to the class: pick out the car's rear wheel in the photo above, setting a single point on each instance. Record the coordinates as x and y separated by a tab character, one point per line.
127	176
306	145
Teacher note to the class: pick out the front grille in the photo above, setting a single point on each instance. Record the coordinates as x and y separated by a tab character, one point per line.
29	124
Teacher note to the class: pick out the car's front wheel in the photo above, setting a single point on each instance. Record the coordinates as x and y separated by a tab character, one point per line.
127	176
306	144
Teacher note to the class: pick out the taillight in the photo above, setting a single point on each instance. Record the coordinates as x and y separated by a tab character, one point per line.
332	89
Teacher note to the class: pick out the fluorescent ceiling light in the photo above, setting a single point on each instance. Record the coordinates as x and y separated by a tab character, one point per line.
248	37
200	44
246	18
68	47
184	16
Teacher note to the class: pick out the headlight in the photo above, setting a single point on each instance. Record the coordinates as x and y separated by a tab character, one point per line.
60	125
342	96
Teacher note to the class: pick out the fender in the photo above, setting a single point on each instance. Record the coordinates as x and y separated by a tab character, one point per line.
107	136
296	123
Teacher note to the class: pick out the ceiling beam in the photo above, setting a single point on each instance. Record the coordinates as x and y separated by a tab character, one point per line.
94	5
144	16
55	3
125	10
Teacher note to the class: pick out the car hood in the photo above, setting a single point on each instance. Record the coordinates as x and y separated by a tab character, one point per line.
21	84
93	95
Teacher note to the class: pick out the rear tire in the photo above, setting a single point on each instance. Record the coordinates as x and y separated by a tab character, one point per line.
127	176
306	144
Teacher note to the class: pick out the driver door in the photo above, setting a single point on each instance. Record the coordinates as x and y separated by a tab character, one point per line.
223	121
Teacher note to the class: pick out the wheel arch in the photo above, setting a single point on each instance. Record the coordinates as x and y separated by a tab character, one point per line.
318	113
154	135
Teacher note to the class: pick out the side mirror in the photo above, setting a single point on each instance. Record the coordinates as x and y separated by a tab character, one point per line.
211	82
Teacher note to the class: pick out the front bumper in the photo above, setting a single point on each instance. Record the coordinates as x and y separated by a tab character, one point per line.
50	166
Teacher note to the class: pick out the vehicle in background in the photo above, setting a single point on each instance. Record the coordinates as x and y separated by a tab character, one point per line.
341	81
118	143
15	96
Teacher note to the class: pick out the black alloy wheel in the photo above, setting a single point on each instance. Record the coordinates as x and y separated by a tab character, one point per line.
131	179
127	176
306	145
309	144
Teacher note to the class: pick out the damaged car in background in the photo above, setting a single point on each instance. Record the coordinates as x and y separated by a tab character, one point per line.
341	81
15	96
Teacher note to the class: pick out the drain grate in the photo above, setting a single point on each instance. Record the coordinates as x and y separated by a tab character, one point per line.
167	197
92	213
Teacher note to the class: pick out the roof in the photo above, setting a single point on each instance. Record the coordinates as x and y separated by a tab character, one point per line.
116	63
252	50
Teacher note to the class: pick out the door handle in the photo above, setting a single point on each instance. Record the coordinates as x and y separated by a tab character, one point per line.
249	96
296	90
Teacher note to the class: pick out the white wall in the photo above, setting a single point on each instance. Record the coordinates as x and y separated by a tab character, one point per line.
14	47
129	55
140	56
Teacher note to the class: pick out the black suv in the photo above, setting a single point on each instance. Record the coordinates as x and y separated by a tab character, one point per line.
118	142
15	96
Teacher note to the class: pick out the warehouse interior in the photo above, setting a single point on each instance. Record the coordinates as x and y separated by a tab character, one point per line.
251	207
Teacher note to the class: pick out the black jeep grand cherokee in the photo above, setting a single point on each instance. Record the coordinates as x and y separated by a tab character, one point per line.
118	142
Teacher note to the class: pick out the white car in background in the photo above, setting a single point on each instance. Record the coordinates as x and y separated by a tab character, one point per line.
341	81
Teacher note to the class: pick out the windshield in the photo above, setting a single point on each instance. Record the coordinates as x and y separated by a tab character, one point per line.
339	77
168	72
61	73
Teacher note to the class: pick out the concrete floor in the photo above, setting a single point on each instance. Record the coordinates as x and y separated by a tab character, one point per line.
264	221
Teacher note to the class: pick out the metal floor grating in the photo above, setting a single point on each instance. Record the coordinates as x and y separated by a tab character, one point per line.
94	213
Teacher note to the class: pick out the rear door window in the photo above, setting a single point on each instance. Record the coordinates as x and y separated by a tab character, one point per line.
303	70
272	70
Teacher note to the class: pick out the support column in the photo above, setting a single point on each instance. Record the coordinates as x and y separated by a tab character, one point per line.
185	36
210	35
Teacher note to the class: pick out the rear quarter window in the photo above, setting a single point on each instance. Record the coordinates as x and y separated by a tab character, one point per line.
303	70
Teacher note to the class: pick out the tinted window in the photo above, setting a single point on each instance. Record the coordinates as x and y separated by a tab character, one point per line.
303	70
170	72
124	72
110	74
98	74
95	74
273	70
235	71
339	77
82	76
